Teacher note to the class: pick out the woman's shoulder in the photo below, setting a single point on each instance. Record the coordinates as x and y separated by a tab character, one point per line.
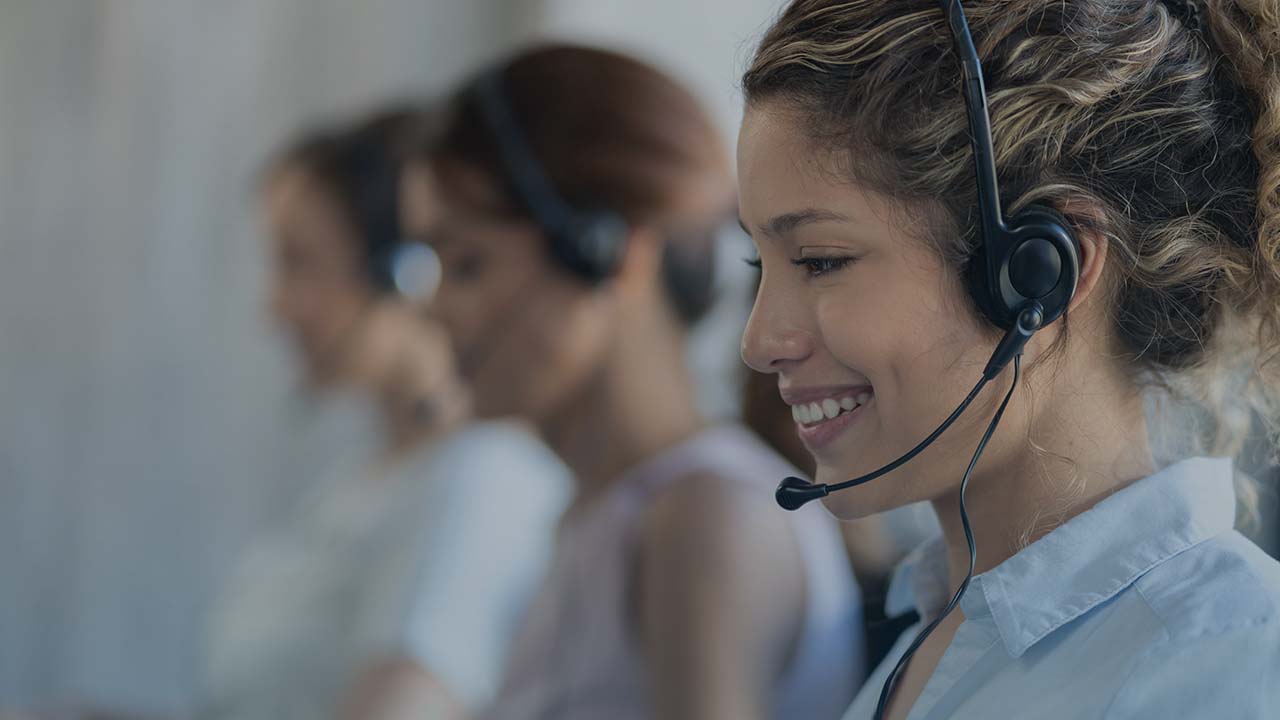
705	501
490	469
500	452
1216	652
496	439
1216	587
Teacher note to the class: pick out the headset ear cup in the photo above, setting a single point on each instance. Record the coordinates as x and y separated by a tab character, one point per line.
592	246
1035	266
604	242
1040	260
1044	261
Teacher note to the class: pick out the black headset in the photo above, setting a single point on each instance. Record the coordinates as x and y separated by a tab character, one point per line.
1022	277
588	242
1031	261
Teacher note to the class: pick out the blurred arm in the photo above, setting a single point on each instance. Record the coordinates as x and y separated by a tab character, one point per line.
721	597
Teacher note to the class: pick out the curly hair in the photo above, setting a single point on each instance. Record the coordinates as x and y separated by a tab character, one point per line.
1161	135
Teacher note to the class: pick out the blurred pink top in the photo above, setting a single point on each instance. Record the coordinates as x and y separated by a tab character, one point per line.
576	657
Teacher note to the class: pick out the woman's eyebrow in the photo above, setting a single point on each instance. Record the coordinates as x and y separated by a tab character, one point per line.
789	222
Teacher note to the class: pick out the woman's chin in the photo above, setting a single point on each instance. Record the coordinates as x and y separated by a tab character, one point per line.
852	504
858	502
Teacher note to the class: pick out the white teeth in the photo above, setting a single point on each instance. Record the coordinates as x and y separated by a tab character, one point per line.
830	408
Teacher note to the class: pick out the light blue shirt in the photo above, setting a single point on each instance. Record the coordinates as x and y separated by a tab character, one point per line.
1148	605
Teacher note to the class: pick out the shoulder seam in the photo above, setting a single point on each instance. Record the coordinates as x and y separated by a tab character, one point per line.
1217	629
1167	640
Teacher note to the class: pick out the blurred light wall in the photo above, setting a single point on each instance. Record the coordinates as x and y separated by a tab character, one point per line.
149	423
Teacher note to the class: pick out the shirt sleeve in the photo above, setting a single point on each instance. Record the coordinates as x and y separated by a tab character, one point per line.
487	549
1232	674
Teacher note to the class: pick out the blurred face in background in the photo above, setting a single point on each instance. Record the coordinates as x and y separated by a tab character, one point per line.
319	289
529	336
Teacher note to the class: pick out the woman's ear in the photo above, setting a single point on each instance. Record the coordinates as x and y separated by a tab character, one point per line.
1093	251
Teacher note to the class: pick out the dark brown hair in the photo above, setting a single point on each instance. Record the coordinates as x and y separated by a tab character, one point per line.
612	133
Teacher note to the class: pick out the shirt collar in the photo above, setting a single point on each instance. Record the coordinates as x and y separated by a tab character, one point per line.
1085	561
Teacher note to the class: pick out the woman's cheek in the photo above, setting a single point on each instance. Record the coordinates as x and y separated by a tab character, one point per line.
849	326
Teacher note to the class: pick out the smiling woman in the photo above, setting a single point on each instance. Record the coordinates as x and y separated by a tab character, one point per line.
1154	139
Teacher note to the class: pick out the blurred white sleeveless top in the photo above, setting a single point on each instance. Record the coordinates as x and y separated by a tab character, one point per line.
576	657
436	562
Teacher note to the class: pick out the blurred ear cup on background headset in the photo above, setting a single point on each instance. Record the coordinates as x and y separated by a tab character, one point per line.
394	267
585	241
393	264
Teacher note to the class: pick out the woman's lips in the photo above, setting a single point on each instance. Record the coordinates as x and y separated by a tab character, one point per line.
821	414
818	435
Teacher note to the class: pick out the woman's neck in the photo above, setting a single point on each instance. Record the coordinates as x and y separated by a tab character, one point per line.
1078	449
639	403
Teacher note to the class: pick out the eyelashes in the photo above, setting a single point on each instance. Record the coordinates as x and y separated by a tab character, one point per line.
813	267
819	266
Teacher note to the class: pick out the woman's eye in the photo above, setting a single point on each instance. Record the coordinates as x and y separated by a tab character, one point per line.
753	262
467	268
819	266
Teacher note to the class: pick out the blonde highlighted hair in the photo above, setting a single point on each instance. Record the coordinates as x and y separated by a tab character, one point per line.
1161	135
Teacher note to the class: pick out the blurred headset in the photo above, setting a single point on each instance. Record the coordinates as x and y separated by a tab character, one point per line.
588	242
393	265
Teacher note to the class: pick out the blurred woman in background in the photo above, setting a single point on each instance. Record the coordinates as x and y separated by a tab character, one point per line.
389	592
581	192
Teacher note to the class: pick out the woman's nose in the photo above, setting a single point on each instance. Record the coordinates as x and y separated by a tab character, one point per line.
773	338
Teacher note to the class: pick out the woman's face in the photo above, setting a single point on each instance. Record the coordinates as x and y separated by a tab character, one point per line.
855	312
319	290
529	337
